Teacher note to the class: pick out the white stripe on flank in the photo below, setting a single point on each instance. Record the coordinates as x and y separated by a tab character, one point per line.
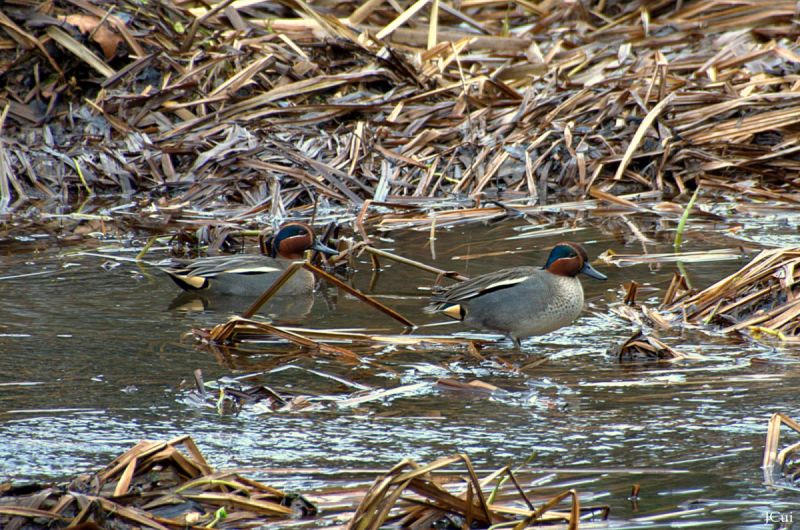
502	283
246	270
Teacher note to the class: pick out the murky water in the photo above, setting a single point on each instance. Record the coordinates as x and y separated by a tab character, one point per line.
96	357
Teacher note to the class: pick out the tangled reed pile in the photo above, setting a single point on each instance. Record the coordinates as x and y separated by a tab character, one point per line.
247	108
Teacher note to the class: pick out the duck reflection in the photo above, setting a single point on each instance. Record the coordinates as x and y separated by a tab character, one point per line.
279	309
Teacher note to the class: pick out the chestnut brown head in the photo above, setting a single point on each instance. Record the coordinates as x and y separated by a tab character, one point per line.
571	259
293	240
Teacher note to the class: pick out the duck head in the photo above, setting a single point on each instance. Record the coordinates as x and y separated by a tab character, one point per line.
570	259
292	241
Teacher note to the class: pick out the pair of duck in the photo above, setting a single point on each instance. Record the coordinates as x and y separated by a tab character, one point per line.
518	302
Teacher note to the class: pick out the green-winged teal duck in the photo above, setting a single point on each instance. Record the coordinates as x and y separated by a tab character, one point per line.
252	274
521	301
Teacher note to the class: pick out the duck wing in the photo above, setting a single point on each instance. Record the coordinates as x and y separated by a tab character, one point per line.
215	265
486	283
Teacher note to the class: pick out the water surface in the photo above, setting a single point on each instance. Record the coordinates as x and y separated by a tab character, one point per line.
96	357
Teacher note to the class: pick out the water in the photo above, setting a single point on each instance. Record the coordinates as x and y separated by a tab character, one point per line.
96	357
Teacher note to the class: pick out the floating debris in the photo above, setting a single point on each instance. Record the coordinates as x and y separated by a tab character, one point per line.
781	463
625	260
169	485
159	485
233	396
761	299
409	496
325	342
641	347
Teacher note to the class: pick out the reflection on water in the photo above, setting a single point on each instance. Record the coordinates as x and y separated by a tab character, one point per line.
282	309
96	358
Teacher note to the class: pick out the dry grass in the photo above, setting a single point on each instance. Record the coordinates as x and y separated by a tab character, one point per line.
642	347
157	485
241	110
761	298
781	463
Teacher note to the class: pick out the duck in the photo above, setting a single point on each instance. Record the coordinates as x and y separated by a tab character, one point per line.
252	274
521	302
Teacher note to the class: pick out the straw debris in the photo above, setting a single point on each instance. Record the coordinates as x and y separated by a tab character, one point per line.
409	496
760	299
781	463
234	397
642	347
235	110
159	485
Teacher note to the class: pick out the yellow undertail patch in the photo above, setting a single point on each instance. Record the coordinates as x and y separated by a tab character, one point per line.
454	311
196	282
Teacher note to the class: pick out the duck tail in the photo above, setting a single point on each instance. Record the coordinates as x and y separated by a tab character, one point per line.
454	311
186	282
431	308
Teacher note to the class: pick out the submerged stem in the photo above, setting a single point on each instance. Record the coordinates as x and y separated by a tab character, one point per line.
684	218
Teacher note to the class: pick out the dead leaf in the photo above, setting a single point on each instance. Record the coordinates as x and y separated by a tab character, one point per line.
102	34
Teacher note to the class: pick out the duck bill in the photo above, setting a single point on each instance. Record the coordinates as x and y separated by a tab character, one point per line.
590	271
325	249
